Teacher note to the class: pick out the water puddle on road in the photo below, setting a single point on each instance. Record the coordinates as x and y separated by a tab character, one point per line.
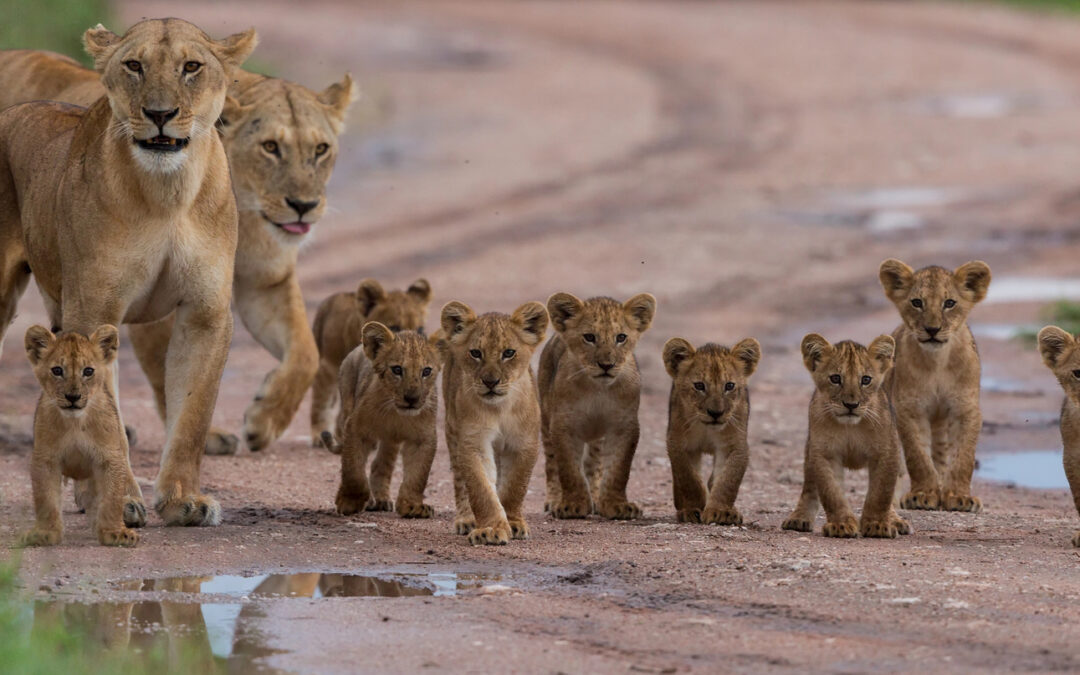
1030	469
1033	289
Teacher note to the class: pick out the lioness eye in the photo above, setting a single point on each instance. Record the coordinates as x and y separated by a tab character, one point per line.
509	353
321	149
620	338
589	337
729	386
58	371
916	303
192	66
426	372
133	66
271	147
950	303
700	386
866	380
1076	374
396	370
87	372
475	353
835	379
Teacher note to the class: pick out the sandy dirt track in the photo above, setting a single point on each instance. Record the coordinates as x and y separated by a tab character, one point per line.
748	163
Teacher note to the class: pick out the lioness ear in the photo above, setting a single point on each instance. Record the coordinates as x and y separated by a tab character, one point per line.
375	336
38	340
814	349
882	349
233	114
563	307
107	339
99	42
677	351
369	294
895	278
1053	343
640	309
532	318
337	98
749	352
974	279
421	290
235	49
455	320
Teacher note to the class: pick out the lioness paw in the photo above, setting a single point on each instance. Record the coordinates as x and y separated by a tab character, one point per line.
688	515
572	508
721	516
490	536
464	525
134	513
120	537
618	510
519	529
38	537
190	510
1076	539
957	502
262	425
798	524
845	528
348	504
879	529
920	500
379	505
220	442
408	509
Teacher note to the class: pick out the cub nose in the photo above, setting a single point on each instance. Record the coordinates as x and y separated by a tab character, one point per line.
932	332
851	406
490	384
715	414
605	366
301	207
72	398
161	117
411	399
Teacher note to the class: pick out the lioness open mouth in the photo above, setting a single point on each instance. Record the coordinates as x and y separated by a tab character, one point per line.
162	143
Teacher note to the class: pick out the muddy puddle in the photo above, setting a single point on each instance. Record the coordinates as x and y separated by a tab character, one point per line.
1030	468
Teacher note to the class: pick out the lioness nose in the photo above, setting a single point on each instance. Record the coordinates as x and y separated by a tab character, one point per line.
851	406
300	207
161	117
490	384
932	332
72	398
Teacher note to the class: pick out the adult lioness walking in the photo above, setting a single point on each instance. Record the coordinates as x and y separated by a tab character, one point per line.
125	212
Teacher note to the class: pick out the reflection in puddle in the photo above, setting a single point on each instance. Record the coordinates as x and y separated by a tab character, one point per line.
322	585
1032	469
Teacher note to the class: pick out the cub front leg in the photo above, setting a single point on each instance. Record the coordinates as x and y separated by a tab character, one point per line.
619	448
474	466
518	463
110	477
729	467
568	452
687	488
324	398
802	518
354	493
839	518
382	470
46	482
878	518
1072	473
553	488
956	493
416	460
914	430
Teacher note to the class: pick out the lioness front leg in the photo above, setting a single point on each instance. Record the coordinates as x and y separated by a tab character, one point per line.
619	448
914	430
416	460
276	319
727	476
956	491
14	269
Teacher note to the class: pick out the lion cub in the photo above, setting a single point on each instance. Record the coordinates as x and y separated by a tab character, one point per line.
1060	354
934	386
390	382
851	427
77	434
590	390
708	413
492	416
338	324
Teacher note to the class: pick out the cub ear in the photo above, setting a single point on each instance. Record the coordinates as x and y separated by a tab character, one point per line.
375	336
440	343
677	351
814	350
640	309
99	42
369	294
749	352
882	349
421	290
563	307
456	318
895	278
1053	343
974	279
38	340
532	318
107	339
235	49
233	114
337	98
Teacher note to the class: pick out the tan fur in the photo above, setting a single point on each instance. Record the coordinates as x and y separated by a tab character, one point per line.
851	427
337	328
266	290
590	390
77	434
1061	355
115	232
388	384
708	413
934	386
492	416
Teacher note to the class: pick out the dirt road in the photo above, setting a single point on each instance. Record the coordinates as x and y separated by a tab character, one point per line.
748	163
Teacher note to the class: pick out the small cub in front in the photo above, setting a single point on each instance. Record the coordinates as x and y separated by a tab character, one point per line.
1061	355
77	434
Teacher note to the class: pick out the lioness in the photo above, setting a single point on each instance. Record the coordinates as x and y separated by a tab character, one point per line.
851	427
77	433
590	390
708	413
125	212
1060	354
390	380
282	142
338	325
934	386
492	416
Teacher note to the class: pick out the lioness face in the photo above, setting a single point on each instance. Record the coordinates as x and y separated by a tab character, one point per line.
282	141
1060	354
847	374
710	384
494	349
397	310
933	302
166	83
71	368
601	332
406	365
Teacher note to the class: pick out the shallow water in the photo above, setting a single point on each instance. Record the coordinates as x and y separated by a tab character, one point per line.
1031	469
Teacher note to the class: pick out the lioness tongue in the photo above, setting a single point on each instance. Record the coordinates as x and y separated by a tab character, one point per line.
296	228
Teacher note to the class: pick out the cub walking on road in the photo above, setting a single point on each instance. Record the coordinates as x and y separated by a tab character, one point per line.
492	416
1060	354
590	390
851	427
77	434
708	413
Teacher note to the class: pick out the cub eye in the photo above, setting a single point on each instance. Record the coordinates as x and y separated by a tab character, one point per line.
395	329
916	303
192	66
58	371
426	372
866	379
87	372
1076	374
271	147
835	379
700	386
620	338
321	149
396	370
729	386
950	303
589	337
509	353
475	353
133	66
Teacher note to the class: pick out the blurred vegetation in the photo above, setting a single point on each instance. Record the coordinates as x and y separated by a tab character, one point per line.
1064	314
1070	5
56	25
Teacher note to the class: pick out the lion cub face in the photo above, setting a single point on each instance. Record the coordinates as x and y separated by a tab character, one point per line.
1061	355
397	310
934	303
406	365
166	83
601	332
710	384
494	349
848	375
73	369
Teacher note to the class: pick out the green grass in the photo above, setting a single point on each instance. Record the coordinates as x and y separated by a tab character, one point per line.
1064	313
56	25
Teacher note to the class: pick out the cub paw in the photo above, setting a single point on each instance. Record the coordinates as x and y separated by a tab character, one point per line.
192	510
688	515
798	524
721	516
845	529
490	536
220	442
1076	539
618	510
464	525
379	505
519	529
348	504
957	502
879	529
567	508
414	509
37	537
134	513
920	500
121	537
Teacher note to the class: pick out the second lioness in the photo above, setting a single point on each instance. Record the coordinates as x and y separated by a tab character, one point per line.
590	390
